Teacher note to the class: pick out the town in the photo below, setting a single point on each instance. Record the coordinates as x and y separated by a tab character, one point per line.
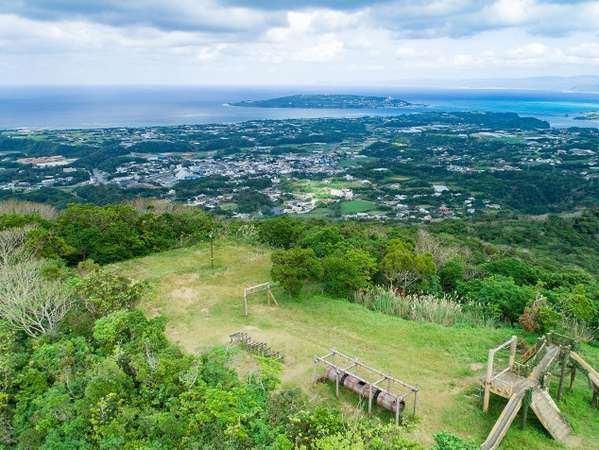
411	168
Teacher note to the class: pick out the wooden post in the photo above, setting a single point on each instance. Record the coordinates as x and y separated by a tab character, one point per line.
562	373
370	400
245	303
513	346
337	383
397	410
572	377
211	236
525	405
415	401
488	377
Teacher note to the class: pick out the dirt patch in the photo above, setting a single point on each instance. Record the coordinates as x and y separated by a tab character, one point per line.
184	295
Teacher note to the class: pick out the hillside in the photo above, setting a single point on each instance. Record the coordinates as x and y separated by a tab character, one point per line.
203	306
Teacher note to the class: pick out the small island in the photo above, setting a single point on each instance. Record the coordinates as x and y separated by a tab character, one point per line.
326	101
591	115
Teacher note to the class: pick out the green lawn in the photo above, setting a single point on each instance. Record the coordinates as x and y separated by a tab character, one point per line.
204	306
357	206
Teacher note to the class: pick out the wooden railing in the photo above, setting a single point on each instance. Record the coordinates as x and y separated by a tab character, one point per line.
490	375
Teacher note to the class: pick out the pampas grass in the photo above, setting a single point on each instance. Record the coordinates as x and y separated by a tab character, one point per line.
446	310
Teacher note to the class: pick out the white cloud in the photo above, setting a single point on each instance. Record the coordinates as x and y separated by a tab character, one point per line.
220	41
327	48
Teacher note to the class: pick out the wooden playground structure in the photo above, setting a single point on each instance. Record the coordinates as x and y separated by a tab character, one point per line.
253	346
526	384
388	392
264	287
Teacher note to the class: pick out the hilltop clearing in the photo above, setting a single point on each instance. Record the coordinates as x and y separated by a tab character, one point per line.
204	306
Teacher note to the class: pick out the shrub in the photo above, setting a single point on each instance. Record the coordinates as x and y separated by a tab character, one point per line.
104	291
292	268
519	271
280	232
323	240
451	274
448	441
500	292
577	304
344	273
404	268
45	244
105	234
532	317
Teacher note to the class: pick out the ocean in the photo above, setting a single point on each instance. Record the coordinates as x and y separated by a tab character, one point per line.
119	106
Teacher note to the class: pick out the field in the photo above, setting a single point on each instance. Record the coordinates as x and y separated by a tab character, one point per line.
357	206
204	306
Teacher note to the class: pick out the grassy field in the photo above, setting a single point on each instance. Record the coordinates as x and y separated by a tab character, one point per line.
357	206
204	306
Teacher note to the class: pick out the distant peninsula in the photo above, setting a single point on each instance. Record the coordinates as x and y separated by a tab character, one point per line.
318	101
592	115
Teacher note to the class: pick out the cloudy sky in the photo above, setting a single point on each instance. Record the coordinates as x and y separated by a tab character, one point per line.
287	42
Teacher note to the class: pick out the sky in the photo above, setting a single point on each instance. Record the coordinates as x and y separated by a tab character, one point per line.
288	42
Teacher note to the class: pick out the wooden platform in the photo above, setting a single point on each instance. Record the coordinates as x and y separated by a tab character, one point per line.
505	384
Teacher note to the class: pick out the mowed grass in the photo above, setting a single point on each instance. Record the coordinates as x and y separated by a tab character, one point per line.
204	306
357	206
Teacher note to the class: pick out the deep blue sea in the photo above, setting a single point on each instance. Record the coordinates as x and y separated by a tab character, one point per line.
100	107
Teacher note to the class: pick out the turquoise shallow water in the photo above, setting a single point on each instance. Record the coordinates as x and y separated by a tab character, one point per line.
95	107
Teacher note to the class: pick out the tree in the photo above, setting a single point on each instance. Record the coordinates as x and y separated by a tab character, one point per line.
346	272
29	302
427	243
323	240
12	249
403	267
577	303
451	274
105	291
105	234
281	232
501	293
293	267
520	272
45	244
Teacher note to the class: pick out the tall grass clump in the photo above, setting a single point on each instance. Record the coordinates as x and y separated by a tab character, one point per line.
25	208
446	310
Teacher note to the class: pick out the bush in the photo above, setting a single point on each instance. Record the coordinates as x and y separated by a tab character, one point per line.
404	268
577	304
539	316
292	268
105	234
448	441
280	232
519	271
499	292
451	274
104	291
323	240
344	273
